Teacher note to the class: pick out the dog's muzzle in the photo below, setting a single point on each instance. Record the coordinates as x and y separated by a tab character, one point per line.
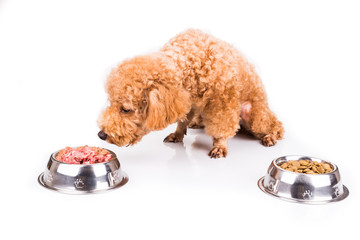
102	135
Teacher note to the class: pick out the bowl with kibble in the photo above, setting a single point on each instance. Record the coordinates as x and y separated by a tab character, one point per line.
303	179
83	170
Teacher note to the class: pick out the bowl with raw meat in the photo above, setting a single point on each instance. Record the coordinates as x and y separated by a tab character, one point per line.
81	170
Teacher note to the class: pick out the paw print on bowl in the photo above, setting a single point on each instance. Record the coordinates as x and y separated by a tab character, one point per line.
307	195
79	183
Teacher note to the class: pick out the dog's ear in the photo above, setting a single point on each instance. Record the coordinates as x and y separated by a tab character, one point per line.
165	106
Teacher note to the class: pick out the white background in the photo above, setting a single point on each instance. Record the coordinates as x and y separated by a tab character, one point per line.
54	59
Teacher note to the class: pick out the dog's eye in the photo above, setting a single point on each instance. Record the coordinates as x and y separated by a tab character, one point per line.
124	110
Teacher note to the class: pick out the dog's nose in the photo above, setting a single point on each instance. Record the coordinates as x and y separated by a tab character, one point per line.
102	135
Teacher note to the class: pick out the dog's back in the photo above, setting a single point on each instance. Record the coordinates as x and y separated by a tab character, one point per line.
211	63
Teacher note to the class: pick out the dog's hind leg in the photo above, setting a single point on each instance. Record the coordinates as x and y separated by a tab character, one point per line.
196	122
180	131
178	135
221	121
263	123
256	114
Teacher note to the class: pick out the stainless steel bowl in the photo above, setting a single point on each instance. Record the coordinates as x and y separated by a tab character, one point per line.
301	187
83	178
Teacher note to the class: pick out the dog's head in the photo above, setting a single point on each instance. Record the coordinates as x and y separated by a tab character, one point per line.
141	100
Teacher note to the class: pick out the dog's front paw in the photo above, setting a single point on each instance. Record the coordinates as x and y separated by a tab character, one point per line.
173	138
218	152
269	140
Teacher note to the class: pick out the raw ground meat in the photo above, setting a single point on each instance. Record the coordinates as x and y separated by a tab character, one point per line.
83	155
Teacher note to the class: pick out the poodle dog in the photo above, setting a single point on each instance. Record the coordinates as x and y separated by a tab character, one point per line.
195	78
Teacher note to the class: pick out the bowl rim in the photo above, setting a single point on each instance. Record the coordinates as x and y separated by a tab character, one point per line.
53	157
275	162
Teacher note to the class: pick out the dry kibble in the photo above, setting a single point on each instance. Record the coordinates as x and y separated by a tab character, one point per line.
326	166
284	165
306	166
296	164
303	162
291	162
321	169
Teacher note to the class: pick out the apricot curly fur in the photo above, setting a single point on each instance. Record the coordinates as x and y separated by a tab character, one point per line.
195	75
